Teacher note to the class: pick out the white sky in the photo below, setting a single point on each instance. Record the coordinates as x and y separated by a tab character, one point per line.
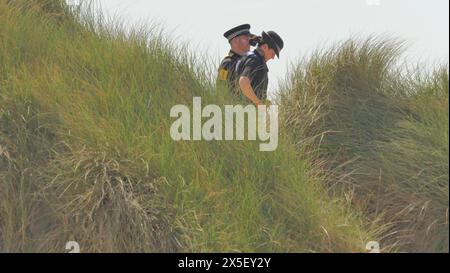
304	25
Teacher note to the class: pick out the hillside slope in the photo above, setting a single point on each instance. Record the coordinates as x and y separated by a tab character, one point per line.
382	130
85	151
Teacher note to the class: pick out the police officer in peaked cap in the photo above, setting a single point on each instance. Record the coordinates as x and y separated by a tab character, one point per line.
239	38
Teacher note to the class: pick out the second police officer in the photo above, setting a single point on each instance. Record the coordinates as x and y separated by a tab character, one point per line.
251	73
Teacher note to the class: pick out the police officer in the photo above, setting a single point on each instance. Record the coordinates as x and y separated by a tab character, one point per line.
239	39
252	71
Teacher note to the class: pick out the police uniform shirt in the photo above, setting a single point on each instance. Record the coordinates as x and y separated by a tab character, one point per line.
255	68
227	68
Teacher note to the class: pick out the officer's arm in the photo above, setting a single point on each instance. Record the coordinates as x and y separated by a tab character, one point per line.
224	70
247	90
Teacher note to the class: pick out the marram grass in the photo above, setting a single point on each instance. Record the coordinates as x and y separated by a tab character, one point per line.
381	130
86	154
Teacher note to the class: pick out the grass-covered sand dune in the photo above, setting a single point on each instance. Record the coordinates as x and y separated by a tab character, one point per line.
381	130
86	152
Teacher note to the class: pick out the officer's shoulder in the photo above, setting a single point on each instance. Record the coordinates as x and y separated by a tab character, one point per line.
251	57
231	55
226	60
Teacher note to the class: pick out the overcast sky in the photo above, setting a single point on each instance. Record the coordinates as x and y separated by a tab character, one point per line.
304	25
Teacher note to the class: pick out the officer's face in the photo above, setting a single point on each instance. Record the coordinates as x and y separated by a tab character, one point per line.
244	42
269	53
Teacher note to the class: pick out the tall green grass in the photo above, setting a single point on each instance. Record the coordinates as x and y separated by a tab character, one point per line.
381	130
86	155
